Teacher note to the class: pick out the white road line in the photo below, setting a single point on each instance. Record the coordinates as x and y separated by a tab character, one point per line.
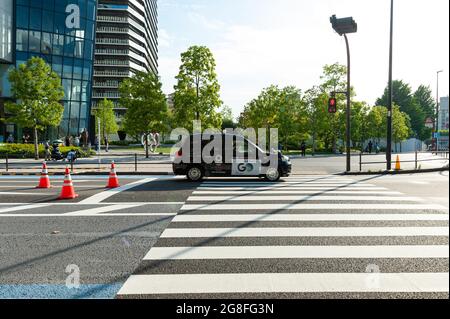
286	184
296	252
288	192
357	189
333	207
99	210
303	198
305	232
109	193
287	283
91	215
20	208
310	217
96	204
28	194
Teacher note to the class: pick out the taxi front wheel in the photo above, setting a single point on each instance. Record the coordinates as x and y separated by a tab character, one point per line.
273	175
195	174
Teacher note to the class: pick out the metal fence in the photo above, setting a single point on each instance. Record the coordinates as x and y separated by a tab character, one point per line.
130	162
444	155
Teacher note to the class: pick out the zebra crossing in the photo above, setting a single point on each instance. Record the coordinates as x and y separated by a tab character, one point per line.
308	236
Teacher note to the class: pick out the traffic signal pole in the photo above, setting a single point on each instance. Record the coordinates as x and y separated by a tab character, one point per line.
390	93
342	27
349	109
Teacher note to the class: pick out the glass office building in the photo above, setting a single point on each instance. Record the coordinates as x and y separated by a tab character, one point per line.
62	32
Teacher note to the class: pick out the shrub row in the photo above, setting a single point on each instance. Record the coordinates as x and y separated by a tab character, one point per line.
27	151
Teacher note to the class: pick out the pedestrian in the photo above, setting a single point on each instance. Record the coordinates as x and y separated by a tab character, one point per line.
76	141
10	139
85	138
97	144
377	148
370	147
67	141
106	144
48	155
303	149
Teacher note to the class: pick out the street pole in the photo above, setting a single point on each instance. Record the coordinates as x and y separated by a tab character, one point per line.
349	109
437	112
99	144
390	92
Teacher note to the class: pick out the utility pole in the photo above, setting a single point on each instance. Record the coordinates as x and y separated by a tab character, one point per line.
436	125
343	27
390	93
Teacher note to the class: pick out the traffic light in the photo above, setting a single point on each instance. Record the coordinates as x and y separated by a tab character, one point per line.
332	105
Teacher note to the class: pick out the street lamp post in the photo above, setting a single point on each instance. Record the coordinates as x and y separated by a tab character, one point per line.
390	94
343	27
436	125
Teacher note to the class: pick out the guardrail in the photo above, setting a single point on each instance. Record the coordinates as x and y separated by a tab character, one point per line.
128	162
444	156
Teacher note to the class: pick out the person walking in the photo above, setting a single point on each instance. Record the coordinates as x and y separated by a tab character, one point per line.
106	144
10	139
303	149
48	156
76	141
370	147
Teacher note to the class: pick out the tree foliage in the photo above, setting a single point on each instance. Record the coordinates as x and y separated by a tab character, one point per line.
145	102
105	112
197	93
38	92
403	97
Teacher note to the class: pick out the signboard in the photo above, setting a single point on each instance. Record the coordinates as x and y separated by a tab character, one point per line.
246	168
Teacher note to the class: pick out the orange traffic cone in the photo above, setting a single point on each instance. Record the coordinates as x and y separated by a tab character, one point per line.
397	164
113	179
44	181
68	192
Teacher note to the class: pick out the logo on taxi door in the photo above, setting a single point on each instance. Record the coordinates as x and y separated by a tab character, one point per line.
245	167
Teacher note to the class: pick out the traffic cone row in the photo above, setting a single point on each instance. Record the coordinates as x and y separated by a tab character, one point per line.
113	181
68	190
44	181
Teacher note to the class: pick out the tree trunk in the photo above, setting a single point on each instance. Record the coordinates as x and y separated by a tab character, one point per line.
314	144
147	153
36	146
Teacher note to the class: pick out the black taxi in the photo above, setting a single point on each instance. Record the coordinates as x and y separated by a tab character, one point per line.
227	155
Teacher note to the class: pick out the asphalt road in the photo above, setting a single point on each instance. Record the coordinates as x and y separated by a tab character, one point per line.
315	236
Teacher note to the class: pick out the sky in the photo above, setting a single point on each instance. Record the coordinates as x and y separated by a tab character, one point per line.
257	43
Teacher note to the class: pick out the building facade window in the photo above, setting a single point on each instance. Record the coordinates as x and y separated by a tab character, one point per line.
41	31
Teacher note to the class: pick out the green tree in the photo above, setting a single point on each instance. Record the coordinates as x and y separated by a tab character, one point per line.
146	105
403	97
38	92
197	93
283	109
427	103
227	118
105	113
359	123
377	123
317	112
334	79
401	128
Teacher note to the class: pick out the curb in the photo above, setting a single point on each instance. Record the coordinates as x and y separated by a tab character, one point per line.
402	172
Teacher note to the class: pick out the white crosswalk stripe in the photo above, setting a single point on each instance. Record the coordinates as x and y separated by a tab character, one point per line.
330	233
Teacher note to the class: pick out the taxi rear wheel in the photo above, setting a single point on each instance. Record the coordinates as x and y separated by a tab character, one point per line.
273	175
195	174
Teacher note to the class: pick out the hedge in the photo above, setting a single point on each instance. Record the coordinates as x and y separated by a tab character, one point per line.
27	151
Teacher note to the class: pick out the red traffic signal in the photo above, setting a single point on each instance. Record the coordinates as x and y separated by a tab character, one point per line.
332	105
